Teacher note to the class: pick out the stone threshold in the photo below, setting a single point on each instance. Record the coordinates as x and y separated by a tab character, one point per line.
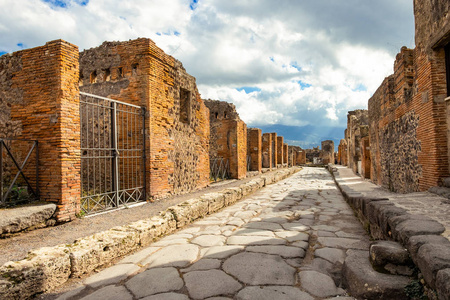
46	268
419	234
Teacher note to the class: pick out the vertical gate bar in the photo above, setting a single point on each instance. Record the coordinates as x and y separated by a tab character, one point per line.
115	156
104	152
98	176
38	194
1	172
144	155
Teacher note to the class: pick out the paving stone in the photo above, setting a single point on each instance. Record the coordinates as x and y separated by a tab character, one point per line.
293	236
272	293
283	251
236	222
254	232
167	296
264	225
219	298
164	242
259	269
332	255
345	243
155	281
322	233
109	293
319	284
443	284
255	240
203	264
384	252
175	256
209	240
325	228
301	244
111	275
72	293
221	252
203	284
297	226
139	256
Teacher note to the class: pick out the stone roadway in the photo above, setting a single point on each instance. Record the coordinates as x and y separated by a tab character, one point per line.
286	241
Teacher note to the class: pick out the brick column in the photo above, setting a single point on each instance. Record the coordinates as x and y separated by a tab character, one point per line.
274	150
280	155
254	148
286	154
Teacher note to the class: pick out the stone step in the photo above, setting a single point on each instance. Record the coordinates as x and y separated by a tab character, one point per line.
441	191
391	257
363	282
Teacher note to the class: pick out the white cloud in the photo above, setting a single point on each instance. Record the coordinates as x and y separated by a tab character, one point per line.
311	61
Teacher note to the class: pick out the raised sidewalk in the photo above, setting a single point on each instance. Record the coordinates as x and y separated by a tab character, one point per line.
419	221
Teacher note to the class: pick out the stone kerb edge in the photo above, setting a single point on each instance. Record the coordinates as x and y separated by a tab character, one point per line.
384	220
49	267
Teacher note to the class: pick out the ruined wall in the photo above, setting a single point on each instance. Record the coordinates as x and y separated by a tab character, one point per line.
285	154
39	100
298	155
310	154
177	123
342	152
280	153
365	157
254	148
267	155
357	128
228	136
327	152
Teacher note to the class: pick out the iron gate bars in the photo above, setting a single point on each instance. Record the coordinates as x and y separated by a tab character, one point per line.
249	162
219	168
112	153
22	194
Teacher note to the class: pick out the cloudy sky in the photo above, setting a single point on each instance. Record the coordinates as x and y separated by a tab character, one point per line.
293	66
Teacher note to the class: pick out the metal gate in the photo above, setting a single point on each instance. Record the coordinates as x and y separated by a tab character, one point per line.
112	153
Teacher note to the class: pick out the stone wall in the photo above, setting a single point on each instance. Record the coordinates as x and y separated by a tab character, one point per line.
327	152
342	152
228	138
39	100
274	149
285	154
254	148
177	122
297	156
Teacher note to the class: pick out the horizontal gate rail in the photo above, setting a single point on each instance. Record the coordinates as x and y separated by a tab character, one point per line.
13	192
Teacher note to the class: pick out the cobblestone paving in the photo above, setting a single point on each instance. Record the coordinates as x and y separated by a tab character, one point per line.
287	241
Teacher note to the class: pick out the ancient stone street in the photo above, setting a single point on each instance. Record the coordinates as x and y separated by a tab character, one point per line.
287	241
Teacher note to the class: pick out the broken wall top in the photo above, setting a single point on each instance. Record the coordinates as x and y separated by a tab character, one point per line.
221	110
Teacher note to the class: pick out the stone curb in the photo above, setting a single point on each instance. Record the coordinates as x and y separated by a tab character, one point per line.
420	234
49	267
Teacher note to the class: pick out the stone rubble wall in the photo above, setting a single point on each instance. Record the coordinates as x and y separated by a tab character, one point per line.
419	234
47	268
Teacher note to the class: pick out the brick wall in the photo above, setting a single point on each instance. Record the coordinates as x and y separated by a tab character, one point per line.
177	124
285	154
254	148
228	138
274	150
39	98
357	128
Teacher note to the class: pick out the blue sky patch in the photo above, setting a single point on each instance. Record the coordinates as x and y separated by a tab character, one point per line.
360	88
249	89
2	52
303	85
57	3
21	45
296	66
193	4
272	59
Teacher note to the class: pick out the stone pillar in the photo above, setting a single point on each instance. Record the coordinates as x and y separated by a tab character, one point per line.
286	154
267	150
254	148
280	156
274	150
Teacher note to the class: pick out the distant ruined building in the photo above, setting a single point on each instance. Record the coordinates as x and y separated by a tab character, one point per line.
405	146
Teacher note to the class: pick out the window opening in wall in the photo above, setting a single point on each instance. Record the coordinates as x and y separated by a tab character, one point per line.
225	115
185	105
134	68
447	67
119	72
217	115
107	75
93	78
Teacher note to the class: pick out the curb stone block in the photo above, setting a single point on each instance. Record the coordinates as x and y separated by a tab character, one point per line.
384	214
42	270
188	211
215	201
407	229
91	252
415	242
443	284
374	208
232	195
147	231
432	258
